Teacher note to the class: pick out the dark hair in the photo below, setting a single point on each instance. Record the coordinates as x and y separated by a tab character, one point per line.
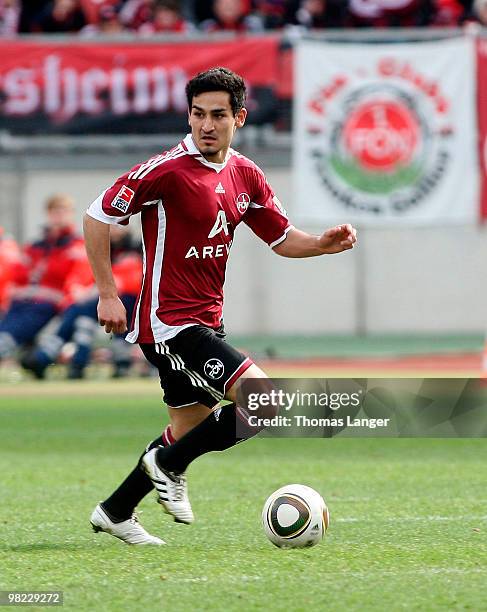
218	79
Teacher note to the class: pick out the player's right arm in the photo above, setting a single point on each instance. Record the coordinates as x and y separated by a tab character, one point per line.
111	311
141	186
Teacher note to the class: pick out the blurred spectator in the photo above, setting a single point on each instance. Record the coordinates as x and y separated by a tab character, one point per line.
200	10
232	16
9	18
479	12
314	14
389	13
9	260
30	14
79	322
467	9
107	22
166	18
93	9
62	16
447	13
159	16
40	277
276	13
135	13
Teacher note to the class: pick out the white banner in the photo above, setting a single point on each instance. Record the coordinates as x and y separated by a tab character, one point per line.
385	133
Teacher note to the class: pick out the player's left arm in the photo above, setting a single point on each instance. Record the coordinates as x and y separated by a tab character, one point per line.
301	244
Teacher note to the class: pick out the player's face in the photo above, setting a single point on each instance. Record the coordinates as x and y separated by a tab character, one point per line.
213	124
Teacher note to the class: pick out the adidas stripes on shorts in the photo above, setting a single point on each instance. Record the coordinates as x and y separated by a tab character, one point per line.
196	366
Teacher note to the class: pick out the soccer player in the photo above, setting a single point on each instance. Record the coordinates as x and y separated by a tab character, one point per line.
190	198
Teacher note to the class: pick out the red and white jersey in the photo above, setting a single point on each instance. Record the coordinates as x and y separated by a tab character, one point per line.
189	209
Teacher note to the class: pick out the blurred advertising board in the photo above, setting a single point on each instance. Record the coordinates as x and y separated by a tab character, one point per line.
89	87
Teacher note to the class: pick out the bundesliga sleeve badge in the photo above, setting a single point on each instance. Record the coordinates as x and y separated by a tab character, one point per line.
123	198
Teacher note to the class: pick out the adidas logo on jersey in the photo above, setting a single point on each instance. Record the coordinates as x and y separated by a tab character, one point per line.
219	188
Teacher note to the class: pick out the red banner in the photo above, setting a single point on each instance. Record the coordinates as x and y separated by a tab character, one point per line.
482	122
89	87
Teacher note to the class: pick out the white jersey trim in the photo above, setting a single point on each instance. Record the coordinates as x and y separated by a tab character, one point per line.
96	211
144	169
134	334
157	268
160	330
193	150
282	238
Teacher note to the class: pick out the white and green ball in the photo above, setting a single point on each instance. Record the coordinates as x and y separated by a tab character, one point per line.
295	516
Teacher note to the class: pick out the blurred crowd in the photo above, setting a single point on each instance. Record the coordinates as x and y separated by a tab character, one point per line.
48	297
149	17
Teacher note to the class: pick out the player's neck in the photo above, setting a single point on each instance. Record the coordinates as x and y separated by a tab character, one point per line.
216	158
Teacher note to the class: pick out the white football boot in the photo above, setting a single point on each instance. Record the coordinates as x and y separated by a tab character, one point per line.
129	531
172	489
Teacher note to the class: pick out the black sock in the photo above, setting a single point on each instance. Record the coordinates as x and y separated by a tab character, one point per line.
122	502
217	432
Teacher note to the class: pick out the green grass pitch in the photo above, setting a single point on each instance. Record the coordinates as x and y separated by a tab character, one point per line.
408	517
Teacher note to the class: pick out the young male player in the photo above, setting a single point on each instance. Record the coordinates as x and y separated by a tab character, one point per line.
190	198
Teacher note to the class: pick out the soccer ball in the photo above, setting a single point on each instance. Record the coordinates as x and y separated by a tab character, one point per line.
295	516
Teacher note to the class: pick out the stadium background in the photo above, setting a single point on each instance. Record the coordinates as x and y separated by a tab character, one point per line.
404	280
407	516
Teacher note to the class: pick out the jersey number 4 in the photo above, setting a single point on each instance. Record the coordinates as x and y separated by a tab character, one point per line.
221	223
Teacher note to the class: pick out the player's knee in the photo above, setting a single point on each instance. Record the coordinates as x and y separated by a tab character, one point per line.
258	397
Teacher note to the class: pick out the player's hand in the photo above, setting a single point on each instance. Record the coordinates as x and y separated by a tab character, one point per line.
337	239
112	315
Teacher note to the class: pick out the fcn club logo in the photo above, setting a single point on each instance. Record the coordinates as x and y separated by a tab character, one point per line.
380	139
214	369
243	202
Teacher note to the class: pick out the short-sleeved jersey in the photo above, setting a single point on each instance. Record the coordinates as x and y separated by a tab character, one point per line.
189	211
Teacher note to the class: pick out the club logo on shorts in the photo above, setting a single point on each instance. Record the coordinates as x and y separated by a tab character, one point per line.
214	369
123	198
242	201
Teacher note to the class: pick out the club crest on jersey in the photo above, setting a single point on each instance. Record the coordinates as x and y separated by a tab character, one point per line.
242	201
123	198
214	368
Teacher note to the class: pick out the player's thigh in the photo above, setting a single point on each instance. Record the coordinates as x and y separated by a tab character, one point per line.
209	364
253	372
188	397
187	418
255	393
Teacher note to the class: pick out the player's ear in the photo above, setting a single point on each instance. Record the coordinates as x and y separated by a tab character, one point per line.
240	117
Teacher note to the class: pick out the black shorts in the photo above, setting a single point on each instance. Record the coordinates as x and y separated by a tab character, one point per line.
196	366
